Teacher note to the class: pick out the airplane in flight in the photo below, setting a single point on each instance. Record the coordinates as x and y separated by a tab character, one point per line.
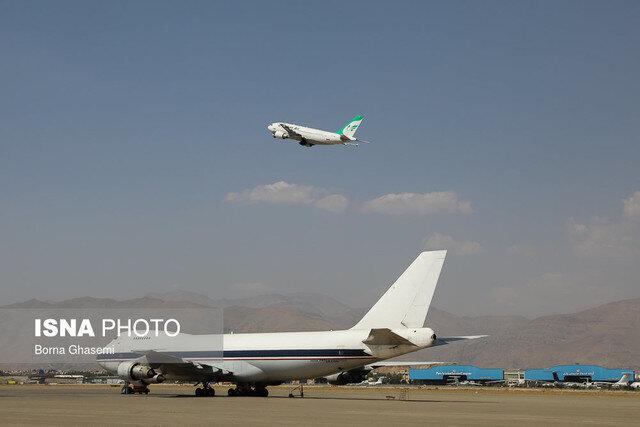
392	327
308	137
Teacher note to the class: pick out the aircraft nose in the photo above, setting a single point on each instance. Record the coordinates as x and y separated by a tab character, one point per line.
271	127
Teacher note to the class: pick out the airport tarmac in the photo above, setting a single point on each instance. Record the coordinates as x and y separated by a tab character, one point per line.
322	405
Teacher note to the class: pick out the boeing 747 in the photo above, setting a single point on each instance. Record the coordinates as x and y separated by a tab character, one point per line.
392	327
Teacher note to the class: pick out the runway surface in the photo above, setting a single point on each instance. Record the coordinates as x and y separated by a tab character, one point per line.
171	405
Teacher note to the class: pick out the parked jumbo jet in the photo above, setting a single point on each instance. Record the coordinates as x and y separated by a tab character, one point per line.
309	137
392	327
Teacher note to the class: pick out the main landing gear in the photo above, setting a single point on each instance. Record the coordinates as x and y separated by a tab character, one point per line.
205	391
306	143
247	390
127	388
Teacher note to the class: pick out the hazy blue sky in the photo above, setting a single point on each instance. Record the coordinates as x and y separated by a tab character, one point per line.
505	131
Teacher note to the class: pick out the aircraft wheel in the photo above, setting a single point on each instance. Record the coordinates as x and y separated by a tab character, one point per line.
210	392
199	392
232	392
262	392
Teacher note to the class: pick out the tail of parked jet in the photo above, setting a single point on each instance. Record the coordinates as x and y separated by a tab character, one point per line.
407	301
350	128
627	378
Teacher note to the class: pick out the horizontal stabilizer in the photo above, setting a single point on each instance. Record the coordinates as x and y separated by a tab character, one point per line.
398	363
384	336
449	340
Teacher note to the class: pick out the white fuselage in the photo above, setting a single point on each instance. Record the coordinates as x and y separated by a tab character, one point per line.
272	357
306	135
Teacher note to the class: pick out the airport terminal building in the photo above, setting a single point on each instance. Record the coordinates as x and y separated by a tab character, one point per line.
576	373
446	374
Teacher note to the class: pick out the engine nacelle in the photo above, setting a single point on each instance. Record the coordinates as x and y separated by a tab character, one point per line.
280	134
348	377
156	379
136	371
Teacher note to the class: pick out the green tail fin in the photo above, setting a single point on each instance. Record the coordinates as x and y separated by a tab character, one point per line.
351	127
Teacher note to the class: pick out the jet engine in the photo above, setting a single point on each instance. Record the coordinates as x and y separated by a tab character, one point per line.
280	134
134	371
348	377
156	379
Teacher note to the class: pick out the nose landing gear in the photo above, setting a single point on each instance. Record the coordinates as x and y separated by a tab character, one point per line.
128	388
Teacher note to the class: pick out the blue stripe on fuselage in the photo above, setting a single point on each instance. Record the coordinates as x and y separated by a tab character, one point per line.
245	354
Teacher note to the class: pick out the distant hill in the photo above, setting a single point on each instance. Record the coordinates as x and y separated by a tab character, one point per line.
269	313
608	334
90	302
275	312
445	323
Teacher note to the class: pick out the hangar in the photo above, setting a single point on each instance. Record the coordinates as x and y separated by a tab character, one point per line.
454	373
576	373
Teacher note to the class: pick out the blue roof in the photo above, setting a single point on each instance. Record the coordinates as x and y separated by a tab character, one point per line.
595	372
